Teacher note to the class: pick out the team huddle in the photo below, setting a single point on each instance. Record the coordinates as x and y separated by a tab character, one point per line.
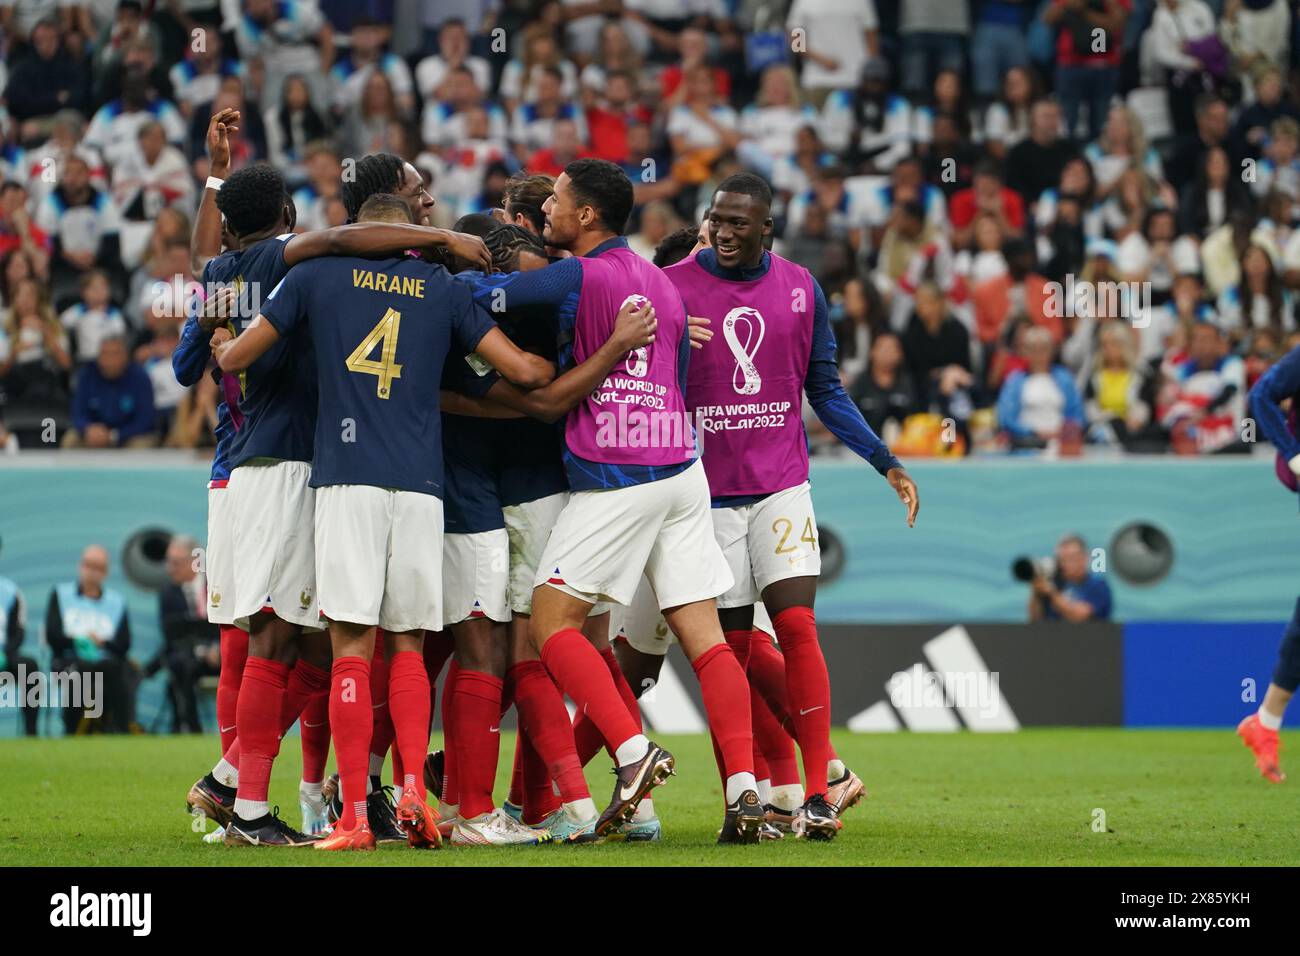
522	452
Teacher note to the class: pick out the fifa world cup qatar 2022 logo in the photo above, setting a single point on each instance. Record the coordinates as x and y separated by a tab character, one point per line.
742	330
638	360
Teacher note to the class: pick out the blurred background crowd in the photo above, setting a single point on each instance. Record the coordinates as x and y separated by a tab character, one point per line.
973	182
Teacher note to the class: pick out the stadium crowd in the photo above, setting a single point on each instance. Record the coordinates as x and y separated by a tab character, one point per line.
1039	224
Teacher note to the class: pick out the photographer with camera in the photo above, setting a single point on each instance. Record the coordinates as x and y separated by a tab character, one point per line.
1063	588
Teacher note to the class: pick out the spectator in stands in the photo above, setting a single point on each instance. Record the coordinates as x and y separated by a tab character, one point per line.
872	122
616	55
1151	253
693	52
948	96
13	664
884	392
292	126
1006	121
89	632
432	73
92	319
1087	61
1212	119
522	79
658	221
987	195
367	54
1206	201
836	39
114	130
276	40
35	372
20	236
1072	592
1259	300
1121	146
770	123
364	126
83	224
47	81
937	350
951	159
1202	404
1035	163
45	162
701	128
1279	168
1113	405
1020	291
565	148
1250	131
935	34
1041	404
191	646
1184	37
998	46
113	403
612	114
533	125
443	124
152	177
196	80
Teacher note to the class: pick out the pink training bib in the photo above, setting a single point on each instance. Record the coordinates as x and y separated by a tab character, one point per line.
745	387
638	415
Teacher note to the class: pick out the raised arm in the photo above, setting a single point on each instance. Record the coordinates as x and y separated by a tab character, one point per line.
205	243
371	239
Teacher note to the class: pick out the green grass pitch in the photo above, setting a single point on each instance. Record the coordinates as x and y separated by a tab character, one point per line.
1034	797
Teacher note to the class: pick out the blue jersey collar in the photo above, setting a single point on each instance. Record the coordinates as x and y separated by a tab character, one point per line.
708	260
617	242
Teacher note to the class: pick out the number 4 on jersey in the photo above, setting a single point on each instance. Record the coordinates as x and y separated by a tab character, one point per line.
385	334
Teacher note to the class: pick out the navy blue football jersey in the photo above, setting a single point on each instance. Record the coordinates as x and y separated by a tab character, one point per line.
381	332
277	393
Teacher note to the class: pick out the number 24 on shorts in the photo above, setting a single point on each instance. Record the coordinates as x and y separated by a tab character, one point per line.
384	334
809	535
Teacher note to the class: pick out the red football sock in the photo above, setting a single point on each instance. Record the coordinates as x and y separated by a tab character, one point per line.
352	721
767	675
577	669
516	794
450	782
408	701
773	743
739	641
726	701
382	738
624	688
586	739
261	699
539	799
476	702
808	688
307	696
234	651
545	719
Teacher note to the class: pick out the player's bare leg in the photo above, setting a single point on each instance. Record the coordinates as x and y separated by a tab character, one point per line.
579	671
352	723
726	703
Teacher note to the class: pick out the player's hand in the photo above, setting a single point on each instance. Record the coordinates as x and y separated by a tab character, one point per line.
219	130
634	327
905	487
217	309
470	248
220	336
697	330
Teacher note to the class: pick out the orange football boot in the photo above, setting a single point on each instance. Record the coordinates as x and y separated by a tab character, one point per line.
419	820
358	838
1264	743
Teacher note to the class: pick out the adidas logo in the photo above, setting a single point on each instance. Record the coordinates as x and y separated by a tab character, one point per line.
951	689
